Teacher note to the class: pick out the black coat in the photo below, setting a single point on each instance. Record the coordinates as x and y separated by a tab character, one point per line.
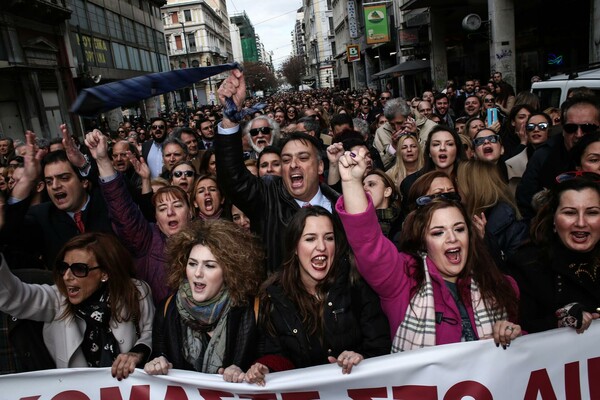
264	200
167	336
353	320
547	283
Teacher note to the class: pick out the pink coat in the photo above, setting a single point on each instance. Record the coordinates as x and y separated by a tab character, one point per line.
389	273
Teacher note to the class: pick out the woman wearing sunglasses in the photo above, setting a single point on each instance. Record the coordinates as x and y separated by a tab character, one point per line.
183	175
208	325
537	128
95	315
558	272
443	287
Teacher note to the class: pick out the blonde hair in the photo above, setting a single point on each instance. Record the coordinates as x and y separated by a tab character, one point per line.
398	171
482	187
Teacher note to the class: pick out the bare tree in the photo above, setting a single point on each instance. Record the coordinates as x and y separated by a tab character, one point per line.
259	76
293	69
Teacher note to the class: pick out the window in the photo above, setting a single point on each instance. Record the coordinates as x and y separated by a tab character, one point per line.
134	58
97	19
120	55
191	38
187	14
174	18
79	15
178	44
128	30
146	63
140	33
329	4
160	38
114	25
151	39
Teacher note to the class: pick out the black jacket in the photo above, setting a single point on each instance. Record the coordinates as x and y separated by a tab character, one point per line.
353	320
167	336
547	283
264	200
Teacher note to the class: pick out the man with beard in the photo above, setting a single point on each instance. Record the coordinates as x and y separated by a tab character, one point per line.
261	132
152	149
271	201
207	133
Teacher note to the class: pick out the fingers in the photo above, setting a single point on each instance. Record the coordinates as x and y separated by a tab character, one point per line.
347	360
587	321
233	374
257	374
505	332
158	366
124	365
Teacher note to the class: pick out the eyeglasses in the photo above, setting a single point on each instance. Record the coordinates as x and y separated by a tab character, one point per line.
384	98
263	129
179	174
585	128
481	140
450	196
80	270
567	176
121	131
542	126
488	100
158	127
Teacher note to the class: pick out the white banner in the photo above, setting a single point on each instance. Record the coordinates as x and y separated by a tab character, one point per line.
557	364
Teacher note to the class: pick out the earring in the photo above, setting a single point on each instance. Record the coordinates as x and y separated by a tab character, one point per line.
103	280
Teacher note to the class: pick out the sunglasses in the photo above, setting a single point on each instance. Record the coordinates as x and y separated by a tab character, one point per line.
488	100
263	129
567	176
384	98
585	128
542	126
179	174
480	141
158	127
450	196
80	270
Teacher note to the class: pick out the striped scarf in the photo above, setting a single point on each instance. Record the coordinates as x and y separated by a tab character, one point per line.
418	327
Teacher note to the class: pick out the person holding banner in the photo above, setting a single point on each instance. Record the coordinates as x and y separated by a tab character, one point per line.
95	314
444	286
208	325
558	271
317	309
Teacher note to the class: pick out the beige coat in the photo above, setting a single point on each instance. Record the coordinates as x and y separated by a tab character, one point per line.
63	337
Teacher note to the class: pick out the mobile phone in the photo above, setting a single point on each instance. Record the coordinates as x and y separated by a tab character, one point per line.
492	116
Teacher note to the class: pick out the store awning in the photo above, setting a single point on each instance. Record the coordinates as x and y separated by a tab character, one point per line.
405	68
95	100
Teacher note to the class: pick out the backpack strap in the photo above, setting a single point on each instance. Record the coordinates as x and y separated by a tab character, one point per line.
167	305
256	308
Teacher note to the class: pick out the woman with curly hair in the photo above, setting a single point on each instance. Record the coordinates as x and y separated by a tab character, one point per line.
208	325
335	316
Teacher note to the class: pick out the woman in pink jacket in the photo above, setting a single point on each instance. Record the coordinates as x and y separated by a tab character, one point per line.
442	288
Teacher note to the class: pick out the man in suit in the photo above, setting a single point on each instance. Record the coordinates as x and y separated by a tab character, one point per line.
152	149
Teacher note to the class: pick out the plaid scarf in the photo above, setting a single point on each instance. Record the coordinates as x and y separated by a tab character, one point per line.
200	316
419	325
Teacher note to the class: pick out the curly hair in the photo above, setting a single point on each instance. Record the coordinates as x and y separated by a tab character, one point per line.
116	261
495	290
242	268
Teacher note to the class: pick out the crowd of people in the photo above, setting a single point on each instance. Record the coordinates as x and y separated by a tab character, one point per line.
327	227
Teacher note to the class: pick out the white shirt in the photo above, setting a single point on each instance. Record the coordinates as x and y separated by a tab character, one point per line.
155	160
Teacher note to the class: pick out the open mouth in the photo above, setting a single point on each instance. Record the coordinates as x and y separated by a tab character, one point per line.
208	204
488	150
73	291
184	185
319	262
580	236
60	196
453	255
443	157
199	287
297	180
173	224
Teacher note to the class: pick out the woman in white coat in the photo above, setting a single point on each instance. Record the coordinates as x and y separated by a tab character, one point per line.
95	315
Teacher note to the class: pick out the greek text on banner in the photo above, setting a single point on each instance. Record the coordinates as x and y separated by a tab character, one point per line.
555	365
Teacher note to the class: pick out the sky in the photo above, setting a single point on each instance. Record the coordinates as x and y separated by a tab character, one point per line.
273	20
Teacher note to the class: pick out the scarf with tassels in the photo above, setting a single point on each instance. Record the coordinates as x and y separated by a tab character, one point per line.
418	329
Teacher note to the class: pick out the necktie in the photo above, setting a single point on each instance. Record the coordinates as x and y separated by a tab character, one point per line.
79	221
306	205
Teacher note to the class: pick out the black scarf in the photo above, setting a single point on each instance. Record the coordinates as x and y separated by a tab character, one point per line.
99	346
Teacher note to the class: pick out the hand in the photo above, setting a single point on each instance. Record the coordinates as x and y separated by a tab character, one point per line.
522	134
352	166
158	366
505	332
32	158
479	223
234	86
73	153
233	373
334	152
587	321
494	127
125	364
257	374
139	166
98	145
346	360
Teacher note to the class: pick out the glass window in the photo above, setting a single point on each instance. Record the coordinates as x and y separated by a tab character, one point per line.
120	55
160	38
140	33
151	39
114	25
79	16
97	19
187	15
191	38
128	30
134	58
146	63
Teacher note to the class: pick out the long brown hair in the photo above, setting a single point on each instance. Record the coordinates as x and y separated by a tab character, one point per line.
310	307
116	261
495	290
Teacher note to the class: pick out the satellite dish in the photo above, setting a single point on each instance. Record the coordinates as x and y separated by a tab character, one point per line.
471	22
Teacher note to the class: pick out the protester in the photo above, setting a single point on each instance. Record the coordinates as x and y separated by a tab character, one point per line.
335	316
557	271
183	175
208	325
409	159
94	315
207	198
442	260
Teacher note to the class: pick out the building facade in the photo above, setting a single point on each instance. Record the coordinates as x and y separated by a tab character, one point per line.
320	42
247	36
